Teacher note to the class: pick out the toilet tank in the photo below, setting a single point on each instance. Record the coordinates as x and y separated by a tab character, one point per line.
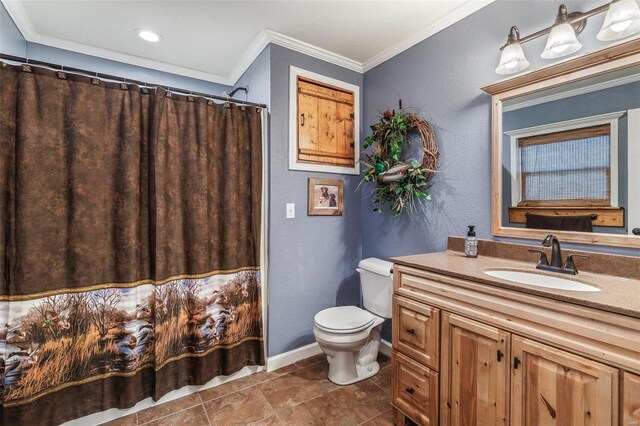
376	281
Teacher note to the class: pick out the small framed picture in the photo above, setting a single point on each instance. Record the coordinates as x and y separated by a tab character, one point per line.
325	197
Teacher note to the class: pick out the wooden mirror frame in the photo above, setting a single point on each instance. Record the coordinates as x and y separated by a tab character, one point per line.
611	58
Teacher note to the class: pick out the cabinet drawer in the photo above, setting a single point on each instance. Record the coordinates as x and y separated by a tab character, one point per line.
416	331
414	390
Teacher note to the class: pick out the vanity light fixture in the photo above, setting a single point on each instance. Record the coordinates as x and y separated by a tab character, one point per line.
512	59
622	20
147	35
562	39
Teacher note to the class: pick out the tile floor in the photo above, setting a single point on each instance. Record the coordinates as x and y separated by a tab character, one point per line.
298	394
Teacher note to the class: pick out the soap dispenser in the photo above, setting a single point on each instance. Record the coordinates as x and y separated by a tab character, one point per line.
471	243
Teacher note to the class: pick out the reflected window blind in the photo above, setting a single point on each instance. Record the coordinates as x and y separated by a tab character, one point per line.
569	168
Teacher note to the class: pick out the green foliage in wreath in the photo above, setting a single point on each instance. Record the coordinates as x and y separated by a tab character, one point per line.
399	183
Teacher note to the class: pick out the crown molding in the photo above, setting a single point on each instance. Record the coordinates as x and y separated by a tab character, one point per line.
314	51
443	22
17	13
250	55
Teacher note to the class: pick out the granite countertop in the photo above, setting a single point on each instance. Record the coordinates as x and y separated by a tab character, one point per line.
618	294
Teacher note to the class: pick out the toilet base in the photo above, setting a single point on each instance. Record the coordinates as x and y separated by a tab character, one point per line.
363	372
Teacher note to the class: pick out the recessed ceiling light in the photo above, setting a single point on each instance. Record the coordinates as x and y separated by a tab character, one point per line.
148	35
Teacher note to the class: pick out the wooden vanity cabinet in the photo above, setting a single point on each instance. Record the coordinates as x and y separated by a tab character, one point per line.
480	355
475	373
551	386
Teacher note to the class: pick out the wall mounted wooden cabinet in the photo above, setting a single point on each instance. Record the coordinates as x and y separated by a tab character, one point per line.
324	123
508	358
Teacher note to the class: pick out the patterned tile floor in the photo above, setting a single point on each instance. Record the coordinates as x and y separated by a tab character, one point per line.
298	394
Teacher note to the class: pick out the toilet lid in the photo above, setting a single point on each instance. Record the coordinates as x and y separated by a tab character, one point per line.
345	319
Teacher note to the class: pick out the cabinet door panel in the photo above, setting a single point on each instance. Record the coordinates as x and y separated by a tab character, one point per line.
308	137
325	124
554	387
475	373
416	331
631	401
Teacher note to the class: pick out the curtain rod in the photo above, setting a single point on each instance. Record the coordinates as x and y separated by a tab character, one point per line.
94	74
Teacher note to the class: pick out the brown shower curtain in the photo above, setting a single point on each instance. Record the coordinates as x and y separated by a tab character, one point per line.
130	241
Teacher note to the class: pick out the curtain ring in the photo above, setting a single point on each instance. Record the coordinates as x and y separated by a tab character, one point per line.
144	89
167	94
258	109
26	68
210	101
190	97
95	80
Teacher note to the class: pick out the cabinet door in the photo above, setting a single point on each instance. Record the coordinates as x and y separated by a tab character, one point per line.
325	124
416	331
631	401
475	373
553	387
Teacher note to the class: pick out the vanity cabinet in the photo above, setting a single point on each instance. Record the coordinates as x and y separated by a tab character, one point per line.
471	354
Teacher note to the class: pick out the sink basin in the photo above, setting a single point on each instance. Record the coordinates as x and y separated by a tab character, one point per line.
540	280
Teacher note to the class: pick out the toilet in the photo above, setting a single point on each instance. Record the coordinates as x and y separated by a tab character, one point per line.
349	335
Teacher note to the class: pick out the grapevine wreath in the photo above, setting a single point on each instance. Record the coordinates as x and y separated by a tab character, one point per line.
399	183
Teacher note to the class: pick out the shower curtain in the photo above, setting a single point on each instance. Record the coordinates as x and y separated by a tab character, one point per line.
130	243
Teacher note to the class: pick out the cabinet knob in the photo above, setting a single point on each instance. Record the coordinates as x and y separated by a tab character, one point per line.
636	231
499	356
302	119
516	362
411	331
410	390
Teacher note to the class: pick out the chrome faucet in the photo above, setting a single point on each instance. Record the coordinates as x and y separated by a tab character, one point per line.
556	257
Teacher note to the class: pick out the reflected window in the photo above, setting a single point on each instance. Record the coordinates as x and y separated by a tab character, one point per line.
566	168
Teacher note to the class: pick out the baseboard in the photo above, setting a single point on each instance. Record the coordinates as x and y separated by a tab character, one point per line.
385	347
287	358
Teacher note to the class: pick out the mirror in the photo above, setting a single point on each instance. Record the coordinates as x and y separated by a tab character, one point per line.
566	147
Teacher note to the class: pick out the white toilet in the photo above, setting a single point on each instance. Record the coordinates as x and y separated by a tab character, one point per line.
349	335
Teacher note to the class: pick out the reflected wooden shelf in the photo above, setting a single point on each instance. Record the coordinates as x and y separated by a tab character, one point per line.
606	216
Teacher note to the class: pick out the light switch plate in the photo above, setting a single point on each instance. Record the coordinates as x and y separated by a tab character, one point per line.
291	210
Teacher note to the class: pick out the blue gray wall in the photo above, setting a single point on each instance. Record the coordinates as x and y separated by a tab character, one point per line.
312	259
441	78
11	41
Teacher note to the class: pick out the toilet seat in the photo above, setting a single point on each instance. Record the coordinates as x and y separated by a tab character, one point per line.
344	319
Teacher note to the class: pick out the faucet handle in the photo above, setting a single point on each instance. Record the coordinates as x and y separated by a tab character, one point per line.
543	256
570	263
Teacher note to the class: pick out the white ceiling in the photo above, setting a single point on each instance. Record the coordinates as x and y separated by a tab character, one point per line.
218	40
